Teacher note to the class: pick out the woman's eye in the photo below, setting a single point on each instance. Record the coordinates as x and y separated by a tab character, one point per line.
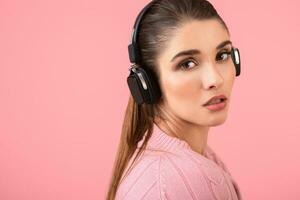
223	55
187	64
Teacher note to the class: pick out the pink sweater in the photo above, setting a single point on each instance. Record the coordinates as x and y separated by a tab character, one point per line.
170	169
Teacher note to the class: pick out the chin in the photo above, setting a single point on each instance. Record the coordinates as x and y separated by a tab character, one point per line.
217	123
210	120
216	120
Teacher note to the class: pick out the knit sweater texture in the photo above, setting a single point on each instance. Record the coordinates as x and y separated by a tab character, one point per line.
170	170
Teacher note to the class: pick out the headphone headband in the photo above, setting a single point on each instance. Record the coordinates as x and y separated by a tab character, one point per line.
133	48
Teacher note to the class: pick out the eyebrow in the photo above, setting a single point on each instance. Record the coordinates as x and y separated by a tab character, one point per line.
196	51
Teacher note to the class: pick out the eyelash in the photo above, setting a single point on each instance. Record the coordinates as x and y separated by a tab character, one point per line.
191	59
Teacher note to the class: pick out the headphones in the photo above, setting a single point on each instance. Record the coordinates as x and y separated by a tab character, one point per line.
142	81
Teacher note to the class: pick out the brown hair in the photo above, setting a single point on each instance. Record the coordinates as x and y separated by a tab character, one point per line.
156	27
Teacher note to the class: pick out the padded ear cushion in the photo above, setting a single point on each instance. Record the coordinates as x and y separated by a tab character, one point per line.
235	54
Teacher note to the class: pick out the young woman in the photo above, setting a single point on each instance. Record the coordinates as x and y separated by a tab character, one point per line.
181	81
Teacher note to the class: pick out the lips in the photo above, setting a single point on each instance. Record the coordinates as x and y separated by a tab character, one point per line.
215	99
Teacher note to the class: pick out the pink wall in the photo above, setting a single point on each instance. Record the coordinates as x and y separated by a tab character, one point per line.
63	93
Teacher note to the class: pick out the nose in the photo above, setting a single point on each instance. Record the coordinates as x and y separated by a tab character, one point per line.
212	77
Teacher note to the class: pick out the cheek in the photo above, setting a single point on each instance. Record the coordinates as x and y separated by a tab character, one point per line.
230	75
181	88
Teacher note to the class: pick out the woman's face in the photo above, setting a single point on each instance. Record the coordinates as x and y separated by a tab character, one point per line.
189	81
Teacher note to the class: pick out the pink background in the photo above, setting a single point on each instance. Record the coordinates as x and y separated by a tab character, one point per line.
63	93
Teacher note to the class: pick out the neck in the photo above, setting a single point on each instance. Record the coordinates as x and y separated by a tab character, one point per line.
193	134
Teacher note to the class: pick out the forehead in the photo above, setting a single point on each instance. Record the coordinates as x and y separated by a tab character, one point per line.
204	35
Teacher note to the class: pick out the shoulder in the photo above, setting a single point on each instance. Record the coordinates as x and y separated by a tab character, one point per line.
142	181
165	176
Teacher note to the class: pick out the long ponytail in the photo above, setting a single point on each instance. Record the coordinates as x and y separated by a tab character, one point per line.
138	119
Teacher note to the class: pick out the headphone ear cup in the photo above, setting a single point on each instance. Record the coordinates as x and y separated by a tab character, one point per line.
135	87
235	54
143	86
